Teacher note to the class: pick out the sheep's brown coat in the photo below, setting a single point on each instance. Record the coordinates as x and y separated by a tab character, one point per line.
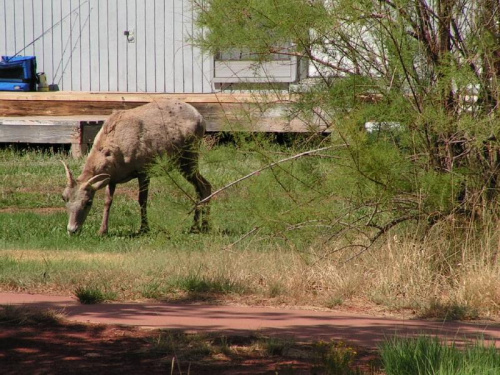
125	147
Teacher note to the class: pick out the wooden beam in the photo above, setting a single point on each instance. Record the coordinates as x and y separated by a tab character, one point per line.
81	103
145	98
9	108
79	132
53	134
218	116
37	131
75	118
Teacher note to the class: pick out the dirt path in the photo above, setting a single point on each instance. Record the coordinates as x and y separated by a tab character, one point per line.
362	330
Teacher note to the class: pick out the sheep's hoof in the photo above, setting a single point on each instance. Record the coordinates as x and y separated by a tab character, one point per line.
196	229
143	230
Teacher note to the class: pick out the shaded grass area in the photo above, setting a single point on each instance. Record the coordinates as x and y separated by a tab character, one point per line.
34	342
58	347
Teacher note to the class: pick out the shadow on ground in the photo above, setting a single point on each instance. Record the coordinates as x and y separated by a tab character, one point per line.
106	339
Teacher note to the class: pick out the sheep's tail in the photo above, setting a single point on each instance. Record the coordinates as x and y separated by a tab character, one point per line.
202	125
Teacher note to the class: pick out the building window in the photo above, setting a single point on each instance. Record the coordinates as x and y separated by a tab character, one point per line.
243	66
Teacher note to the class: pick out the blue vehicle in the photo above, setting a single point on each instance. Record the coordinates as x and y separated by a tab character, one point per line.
18	73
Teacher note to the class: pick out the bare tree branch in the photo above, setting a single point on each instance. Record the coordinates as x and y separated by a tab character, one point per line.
294	157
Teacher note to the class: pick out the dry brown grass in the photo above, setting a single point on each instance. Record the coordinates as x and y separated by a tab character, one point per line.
400	274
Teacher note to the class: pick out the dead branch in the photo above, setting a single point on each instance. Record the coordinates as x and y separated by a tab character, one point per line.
294	157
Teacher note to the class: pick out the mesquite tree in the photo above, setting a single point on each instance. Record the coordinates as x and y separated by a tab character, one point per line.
424	72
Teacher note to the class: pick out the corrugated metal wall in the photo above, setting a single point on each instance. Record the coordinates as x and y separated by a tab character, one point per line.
81	46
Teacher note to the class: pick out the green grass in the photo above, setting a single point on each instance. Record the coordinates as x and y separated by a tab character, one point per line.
32	182
33	215
428	356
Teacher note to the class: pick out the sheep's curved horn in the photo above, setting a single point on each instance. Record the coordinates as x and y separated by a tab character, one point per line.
69	176
97	182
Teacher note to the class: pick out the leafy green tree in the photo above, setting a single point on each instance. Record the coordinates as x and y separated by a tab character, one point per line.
424	73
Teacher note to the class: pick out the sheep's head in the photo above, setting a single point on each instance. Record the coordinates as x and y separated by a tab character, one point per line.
79	197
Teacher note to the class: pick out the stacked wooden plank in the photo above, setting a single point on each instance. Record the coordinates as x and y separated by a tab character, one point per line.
75	117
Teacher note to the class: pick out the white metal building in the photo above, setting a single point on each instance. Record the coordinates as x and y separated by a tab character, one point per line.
123	45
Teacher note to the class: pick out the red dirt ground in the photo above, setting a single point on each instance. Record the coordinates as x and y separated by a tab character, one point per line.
107	338
69	348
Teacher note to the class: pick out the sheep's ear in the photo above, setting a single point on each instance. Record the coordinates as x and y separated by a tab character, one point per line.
70	181
97	182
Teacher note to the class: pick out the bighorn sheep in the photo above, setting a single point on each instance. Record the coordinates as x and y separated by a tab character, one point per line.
124	149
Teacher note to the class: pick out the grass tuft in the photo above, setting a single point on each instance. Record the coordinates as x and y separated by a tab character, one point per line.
276	346
427	355
449	311
338	358
204	285
90	295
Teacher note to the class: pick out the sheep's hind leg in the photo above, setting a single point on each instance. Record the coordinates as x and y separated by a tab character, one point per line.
204	189
143	201
189	169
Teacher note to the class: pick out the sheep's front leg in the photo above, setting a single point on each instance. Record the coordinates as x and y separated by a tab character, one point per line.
110	191
143	201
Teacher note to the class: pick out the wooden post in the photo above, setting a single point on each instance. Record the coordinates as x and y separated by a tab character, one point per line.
76	143
84	137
